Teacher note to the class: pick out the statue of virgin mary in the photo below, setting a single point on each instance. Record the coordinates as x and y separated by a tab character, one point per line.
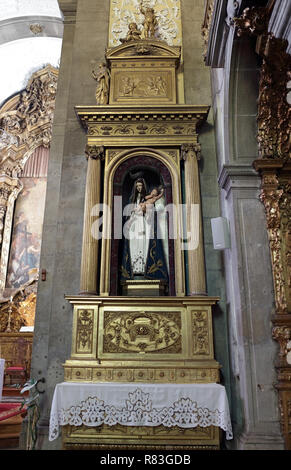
144	254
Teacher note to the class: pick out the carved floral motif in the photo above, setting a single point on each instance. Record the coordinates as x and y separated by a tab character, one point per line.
147	332
200	329
85	330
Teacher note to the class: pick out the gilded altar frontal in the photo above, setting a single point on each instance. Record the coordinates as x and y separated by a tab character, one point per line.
145	226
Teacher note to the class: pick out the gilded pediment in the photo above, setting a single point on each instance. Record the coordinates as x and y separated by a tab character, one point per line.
143	47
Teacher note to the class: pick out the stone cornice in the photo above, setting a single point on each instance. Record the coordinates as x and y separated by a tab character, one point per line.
238	177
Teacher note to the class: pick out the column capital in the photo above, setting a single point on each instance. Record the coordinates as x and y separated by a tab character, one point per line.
94	151
189	151
8	185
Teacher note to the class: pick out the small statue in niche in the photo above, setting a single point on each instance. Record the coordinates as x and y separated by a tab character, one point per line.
133	33
102	77
145	249
150	21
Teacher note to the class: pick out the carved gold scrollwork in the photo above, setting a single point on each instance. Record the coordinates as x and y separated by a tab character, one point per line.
271	201
253	21
147	332
85	330
200	331
274	110
282	334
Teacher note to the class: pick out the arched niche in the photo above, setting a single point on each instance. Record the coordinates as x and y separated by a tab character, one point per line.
163	169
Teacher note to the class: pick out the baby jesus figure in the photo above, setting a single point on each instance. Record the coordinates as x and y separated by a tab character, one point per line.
151	198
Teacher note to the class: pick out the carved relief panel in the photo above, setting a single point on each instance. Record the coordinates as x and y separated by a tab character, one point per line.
140	332
143	71
167	12
85	332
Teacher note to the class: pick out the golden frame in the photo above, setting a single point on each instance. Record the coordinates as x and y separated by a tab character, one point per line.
110	169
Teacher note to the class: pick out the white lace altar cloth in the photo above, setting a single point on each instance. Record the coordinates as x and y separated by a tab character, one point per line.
139	404
2	365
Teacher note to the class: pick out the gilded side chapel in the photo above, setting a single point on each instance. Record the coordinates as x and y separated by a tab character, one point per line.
145	225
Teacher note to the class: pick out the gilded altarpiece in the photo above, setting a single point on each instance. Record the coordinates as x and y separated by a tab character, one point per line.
133	324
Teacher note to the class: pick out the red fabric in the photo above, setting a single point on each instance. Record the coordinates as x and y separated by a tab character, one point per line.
7	410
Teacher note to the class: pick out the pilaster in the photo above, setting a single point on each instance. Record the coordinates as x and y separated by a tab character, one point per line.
89	266
196	262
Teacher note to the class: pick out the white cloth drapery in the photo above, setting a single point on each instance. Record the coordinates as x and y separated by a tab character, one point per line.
139	404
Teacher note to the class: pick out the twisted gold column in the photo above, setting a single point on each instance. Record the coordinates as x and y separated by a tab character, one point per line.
196	264
89	263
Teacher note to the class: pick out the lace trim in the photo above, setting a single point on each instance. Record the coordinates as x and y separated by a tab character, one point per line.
138	411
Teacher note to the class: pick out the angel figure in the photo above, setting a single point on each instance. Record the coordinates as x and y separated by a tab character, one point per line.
150	21
102	77
133	33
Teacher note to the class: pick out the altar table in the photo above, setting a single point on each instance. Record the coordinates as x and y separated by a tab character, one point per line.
139	404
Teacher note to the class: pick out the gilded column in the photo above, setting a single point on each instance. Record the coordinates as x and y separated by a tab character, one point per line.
89	264
195	252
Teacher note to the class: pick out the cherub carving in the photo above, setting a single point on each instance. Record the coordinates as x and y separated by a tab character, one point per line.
133	33
150	21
